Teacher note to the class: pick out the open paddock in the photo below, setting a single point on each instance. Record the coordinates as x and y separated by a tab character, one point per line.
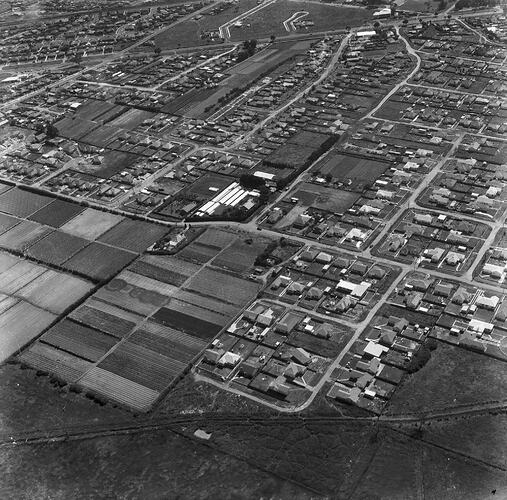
7	222
22	203
56	248
113	162
240	256
75	128
191	319
133	235
23	235
55	291
269	21
19	325
198	253
323	198
102	136
355	168
17	276
224	287
216	238
131	119
56	213
91	223
98	261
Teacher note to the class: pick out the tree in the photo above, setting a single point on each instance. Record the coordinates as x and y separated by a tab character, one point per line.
250	181
52	131
272	38
157	51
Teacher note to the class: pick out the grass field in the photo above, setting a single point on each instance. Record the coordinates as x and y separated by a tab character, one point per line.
56	213
269	21
23	235
132	235
56	247
91	223
55	291
99	261
20	324
240	256
452	377
187	33
223	287
22	203
323	198
342	167
171	466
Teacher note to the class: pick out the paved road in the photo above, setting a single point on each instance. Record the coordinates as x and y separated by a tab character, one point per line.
276	112
395	89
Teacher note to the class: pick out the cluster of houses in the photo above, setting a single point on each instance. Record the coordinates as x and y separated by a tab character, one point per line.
20	85
79	178
494	267
207	76
378	194
36	158
332	105
261	354
439	107
377	362
493	27
469	186
338	285
436	241
85	34
284	85
464	315
452	38
143	69
466	75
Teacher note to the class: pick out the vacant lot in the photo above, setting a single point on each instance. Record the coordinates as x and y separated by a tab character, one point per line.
357	169
323	198
240	256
